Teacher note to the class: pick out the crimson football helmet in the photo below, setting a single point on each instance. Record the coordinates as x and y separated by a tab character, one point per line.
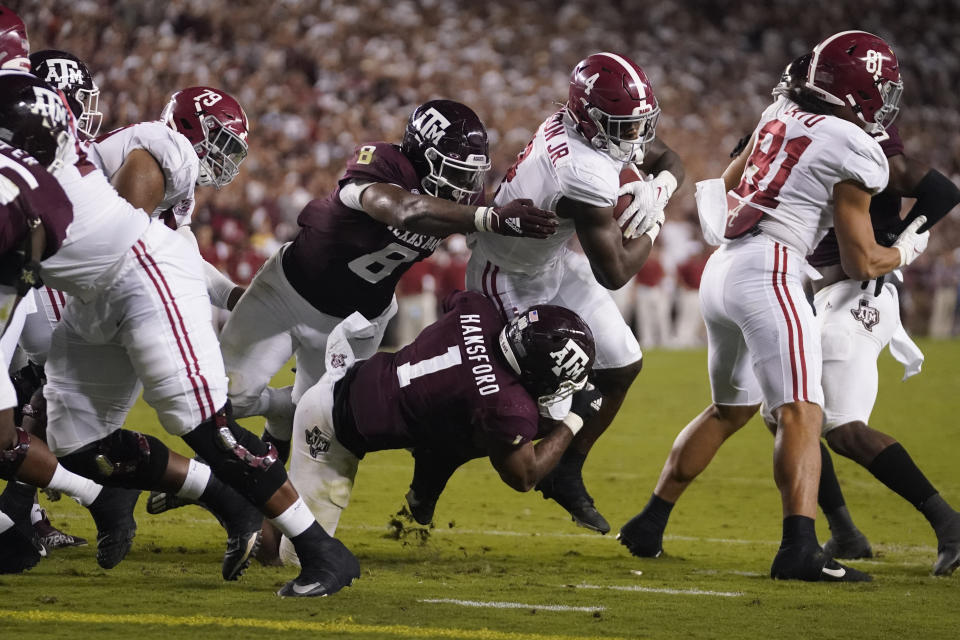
447	144
68	73
215	124
613	105
14	46
858	69
34	117
551	348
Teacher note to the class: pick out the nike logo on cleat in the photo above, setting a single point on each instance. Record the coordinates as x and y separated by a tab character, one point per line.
836	573
297	589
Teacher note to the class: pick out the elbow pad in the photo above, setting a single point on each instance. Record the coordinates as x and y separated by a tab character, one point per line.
936	195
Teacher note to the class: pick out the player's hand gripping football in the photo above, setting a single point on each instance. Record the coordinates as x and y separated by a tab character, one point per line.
910	243
645	212
517	218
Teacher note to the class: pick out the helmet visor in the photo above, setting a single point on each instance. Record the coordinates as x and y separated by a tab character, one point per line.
626	135
453	179
220	154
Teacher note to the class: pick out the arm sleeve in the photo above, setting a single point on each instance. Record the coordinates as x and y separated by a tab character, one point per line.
936	195
351	192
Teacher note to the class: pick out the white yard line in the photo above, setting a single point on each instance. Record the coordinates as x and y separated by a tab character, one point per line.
509	605
672	592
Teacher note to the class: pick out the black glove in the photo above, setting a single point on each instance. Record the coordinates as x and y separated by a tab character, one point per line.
586	402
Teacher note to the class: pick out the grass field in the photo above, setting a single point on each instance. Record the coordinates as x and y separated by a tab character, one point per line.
502	566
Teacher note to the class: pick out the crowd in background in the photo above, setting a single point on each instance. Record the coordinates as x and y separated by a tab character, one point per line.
317	77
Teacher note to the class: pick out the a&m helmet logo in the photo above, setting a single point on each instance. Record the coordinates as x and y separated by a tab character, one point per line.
63	72
432	125
866	315
571	361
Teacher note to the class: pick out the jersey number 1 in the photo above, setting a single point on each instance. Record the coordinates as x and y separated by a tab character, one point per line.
410	370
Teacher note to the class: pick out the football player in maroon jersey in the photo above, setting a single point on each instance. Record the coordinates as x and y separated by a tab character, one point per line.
468	376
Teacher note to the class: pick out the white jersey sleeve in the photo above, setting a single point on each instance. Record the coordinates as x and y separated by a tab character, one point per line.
172	151
866	164
558	163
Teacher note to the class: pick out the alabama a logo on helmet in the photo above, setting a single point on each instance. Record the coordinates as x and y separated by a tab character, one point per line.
432	125
571	361
63	72
49	106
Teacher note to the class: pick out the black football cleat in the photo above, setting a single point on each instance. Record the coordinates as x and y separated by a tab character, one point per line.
848	547
948	549
642	537
421	509
160	501
112	512
53	538
239	553
327	569
564	485
20	548
813	566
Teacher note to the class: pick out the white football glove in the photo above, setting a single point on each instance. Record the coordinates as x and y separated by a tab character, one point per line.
650	196
654	225
911	244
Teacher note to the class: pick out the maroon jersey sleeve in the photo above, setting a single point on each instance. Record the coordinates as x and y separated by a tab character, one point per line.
30	192
448	382
343	260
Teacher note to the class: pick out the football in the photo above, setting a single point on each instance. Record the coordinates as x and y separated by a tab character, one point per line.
629	173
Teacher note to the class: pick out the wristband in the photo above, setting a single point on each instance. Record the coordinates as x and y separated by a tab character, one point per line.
573	422
481	218
903	257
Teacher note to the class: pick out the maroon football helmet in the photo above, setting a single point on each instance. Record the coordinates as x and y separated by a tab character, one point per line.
447	144
551	348
216	126
68	73
14	46
858	69
34	117
613	105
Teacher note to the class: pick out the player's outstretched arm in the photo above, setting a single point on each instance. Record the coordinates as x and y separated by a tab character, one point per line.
139	180
437	217
523	466
860	255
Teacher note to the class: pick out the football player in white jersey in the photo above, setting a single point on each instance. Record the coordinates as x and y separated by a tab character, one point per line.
572	166
810	165
140	312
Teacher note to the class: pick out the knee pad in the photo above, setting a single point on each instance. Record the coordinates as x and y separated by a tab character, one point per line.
12	458
125	459
239	458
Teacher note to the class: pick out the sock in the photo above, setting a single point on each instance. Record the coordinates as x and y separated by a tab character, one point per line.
937	512
17	500
5	522
83	490
830	497
36	514
295	520
573	459
895	468
198	476
658	511
798	532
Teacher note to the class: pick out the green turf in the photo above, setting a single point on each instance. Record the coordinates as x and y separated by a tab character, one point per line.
494	545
